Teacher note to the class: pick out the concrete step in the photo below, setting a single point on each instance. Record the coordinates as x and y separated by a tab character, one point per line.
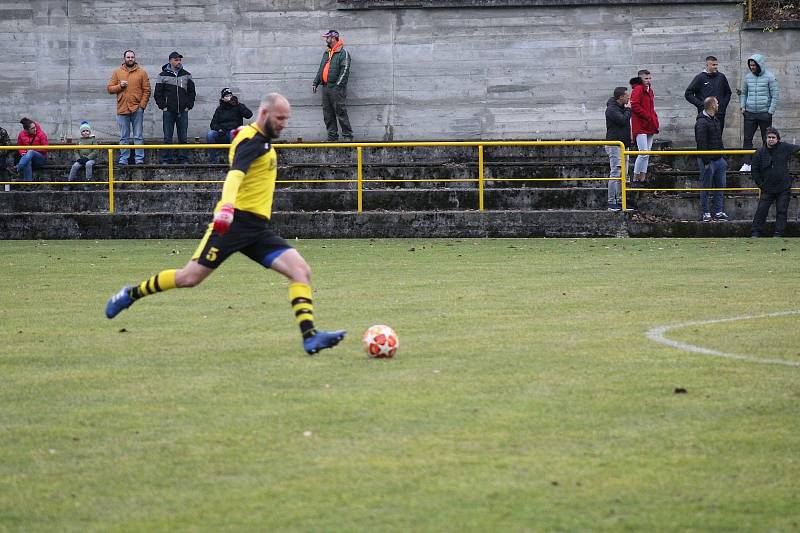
406	224
664	206
401	175
343	172
322	224
132	201
686	206
289	154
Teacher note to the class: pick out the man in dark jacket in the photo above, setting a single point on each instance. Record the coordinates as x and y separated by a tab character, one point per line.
771	173
174	95
334	70
618	128
710	82
230	114
708	135
5	140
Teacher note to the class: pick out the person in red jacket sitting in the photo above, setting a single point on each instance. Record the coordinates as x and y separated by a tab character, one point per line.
32	134
644	120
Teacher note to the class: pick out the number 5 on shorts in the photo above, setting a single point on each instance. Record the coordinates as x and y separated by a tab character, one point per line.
211	256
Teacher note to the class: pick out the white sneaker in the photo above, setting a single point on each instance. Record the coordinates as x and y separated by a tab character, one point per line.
745	168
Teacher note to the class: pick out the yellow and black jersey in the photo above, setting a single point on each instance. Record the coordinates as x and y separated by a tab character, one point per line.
250	182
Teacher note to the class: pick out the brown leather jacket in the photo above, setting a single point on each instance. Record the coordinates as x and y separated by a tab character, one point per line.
136	94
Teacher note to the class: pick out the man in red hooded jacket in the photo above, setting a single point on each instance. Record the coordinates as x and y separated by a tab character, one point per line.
644	120
32	134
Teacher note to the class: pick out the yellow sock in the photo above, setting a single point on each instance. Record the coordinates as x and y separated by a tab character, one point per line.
163	281
303	307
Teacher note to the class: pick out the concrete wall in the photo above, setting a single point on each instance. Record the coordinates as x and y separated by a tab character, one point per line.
535	72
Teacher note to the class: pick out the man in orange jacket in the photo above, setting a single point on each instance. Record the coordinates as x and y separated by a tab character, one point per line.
132	86
333	73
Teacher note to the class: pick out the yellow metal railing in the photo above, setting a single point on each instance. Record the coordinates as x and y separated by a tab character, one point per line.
112	182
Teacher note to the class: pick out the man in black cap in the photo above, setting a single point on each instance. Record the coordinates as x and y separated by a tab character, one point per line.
174	95
334	70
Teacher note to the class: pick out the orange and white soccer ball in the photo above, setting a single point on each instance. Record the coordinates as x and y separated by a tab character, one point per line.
380	342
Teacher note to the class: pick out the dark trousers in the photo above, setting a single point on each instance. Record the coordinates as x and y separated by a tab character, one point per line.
217	137
714	178
721	120
781	200
333	108
752	122
172	122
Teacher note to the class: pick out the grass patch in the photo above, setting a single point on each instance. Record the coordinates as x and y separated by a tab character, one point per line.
525	395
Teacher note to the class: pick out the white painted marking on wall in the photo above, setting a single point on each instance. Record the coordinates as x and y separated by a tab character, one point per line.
657	334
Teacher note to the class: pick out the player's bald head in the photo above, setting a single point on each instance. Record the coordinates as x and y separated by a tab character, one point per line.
273	100
273	114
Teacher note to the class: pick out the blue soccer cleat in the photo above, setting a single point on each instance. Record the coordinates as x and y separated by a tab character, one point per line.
322	340
120	301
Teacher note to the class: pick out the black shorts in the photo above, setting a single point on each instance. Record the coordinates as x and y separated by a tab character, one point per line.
249	234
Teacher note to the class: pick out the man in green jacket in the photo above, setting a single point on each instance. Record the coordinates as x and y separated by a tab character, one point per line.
334	70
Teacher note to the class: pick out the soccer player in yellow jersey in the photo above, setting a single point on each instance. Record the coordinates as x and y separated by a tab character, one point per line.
241	224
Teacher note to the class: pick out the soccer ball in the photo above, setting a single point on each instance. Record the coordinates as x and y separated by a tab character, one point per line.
380	342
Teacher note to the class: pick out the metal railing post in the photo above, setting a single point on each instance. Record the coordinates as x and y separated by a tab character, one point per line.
360	180
480	177
110	180
623	174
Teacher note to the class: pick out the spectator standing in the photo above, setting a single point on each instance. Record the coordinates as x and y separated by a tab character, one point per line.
229	115
760	94
132	86
708	134
710	82
86	157
174	95
32	134
618	128
771	173
644	120
333	73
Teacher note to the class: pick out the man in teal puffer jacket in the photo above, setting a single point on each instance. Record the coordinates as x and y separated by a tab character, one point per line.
759	99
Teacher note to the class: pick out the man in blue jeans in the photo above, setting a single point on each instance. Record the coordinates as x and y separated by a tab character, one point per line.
708	134
131	85
229	115
174	95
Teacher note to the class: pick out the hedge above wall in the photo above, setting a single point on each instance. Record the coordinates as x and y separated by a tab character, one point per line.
427	4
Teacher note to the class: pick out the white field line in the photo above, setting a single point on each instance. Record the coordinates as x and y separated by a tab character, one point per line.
657	334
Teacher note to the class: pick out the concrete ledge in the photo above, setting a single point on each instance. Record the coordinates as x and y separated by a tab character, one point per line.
334	225
735	228
420	4
328	225
771	25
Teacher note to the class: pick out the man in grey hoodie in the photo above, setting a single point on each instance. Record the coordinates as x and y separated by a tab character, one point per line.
759	99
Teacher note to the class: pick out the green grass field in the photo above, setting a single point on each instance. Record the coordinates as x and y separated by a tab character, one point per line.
525	396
